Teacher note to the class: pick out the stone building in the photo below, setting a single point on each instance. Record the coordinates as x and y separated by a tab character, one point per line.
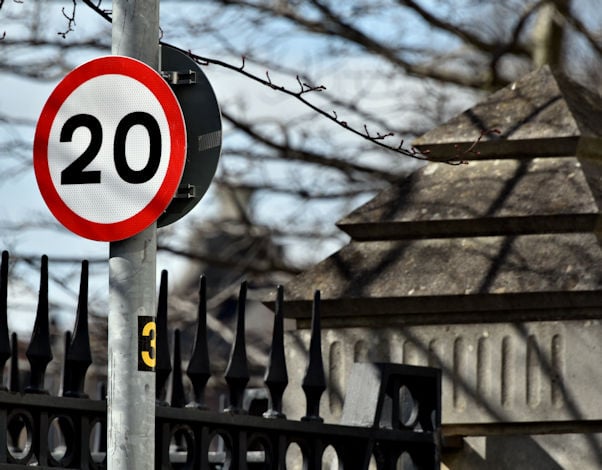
490	270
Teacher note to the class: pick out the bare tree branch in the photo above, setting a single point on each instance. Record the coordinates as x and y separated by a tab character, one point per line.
70	17
252	265
302	193
306	155
103	13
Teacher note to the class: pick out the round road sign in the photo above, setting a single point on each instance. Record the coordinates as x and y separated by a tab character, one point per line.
109	148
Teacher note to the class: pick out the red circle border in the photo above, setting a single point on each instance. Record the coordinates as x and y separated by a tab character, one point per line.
151	79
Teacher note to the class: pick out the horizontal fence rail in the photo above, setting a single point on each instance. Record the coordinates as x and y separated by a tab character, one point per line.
391	419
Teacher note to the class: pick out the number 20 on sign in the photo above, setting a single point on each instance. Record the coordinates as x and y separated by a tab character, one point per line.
109	148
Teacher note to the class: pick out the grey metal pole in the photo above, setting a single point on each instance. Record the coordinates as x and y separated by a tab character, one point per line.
132	287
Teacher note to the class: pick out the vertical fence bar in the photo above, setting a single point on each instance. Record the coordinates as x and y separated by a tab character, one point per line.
100	443
78	356
4	435
199	370
4	340
314	382
39	352
237	371
66	369
178	399
163	361
5	351
276	375
15	377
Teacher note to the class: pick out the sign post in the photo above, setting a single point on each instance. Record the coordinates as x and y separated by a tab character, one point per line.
132	284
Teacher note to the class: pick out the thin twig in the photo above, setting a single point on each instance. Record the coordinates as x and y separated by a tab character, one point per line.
300	96
70	20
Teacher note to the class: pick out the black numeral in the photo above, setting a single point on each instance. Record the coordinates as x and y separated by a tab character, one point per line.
74	173
154	156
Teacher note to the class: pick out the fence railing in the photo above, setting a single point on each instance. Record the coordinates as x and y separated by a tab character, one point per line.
391	418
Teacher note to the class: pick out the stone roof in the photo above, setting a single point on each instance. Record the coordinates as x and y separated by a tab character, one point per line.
482	198
542	114
511	235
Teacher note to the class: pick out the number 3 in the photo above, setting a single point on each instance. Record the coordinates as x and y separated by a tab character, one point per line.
75	174
150	357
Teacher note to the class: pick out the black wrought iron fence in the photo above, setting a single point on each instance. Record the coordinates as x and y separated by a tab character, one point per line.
392	415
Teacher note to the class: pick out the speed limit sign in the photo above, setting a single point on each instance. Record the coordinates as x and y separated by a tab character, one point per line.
109	148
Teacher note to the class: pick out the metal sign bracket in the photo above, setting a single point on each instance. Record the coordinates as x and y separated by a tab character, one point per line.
186	192
179	77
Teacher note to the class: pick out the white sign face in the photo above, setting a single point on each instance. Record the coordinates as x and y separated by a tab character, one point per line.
109	148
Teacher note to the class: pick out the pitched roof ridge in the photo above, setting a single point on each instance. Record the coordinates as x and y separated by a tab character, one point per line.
544	113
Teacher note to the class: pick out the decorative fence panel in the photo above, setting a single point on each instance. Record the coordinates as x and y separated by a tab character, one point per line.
391	419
